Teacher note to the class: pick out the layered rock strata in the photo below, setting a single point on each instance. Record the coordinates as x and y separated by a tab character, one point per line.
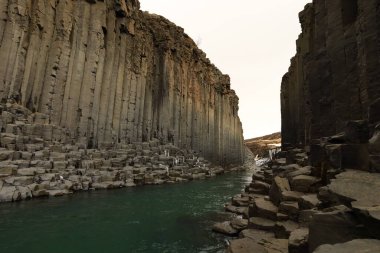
334	77
33	164
108	73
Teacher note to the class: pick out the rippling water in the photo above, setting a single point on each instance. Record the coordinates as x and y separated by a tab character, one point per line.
167	218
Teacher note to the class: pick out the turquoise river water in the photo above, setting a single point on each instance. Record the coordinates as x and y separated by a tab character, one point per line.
167	218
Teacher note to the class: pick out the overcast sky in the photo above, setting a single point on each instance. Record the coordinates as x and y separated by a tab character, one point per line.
250	40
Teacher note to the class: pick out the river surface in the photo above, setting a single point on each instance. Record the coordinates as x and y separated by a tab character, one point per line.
167	218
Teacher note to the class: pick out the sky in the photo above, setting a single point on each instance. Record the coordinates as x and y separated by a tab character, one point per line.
250	40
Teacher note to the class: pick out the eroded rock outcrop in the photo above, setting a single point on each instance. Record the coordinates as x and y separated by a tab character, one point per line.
108	73
334	77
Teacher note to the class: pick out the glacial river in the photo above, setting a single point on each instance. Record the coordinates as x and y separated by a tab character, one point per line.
167	218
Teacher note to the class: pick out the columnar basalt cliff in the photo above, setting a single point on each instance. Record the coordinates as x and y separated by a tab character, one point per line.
320	193
108	73
334	77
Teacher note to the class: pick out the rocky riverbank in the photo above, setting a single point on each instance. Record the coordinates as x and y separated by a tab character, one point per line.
319	200
39	159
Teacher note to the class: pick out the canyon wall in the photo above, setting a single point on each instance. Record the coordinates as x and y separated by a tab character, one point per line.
335	75
109	74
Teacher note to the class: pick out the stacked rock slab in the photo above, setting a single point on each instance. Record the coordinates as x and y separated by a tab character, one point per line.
109	74
334	77
36	162
293	208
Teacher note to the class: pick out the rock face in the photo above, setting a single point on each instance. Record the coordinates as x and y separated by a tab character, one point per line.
108	73
334	77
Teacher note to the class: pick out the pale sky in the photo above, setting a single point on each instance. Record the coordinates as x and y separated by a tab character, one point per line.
250	40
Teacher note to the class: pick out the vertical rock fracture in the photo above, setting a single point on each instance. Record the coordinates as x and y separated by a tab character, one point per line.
107	73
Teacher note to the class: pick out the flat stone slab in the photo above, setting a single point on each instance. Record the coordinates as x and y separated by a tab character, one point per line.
224	228
355	246
303	183
283	229
359	189
275	245
263	208
245	245
292	195
357	186
261	223
256	234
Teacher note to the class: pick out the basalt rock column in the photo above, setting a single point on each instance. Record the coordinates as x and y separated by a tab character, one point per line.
109	73
334	77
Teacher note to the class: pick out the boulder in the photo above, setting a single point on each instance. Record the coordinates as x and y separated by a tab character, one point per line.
263	208
354	246
25	192
21	181
239	224
261	223
7	193
291	195
224	228
7	170
308	201
290	208
278	186
245	245
303	183
240	201
336	226
6	155
275	245
238	210
306	216
298	241
256	234
47	177
283	229
307	170
26	172
259	187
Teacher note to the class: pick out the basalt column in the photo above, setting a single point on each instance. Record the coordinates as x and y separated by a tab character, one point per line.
111	74
334	77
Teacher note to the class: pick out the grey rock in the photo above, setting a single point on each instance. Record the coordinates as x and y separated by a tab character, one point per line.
263	208
283	229
224	228
7	193
278	186
298	241
303	183
256	234
354	246
239	224
245	245
261	223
